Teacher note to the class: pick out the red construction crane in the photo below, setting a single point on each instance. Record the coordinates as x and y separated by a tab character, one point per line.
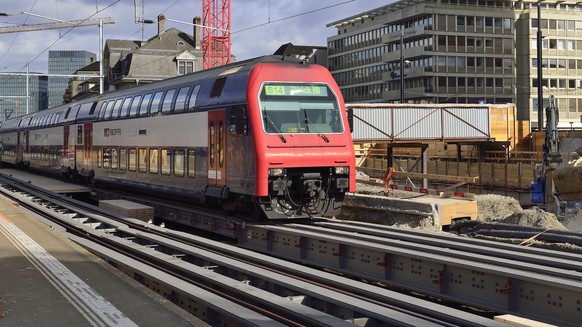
216	33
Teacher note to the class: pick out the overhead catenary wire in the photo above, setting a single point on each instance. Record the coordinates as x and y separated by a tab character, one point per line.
292	16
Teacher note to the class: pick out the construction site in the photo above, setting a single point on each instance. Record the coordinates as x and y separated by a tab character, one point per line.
475	162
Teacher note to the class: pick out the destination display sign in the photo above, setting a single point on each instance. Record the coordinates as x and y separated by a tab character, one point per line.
295	90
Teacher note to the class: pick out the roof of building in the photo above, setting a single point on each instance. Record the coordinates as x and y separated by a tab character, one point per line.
376	12
92	67
122	44
398	5
169	40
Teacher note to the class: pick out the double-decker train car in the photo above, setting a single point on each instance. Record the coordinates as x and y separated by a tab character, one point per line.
265	136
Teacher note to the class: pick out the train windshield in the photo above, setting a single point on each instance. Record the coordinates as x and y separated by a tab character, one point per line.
299	108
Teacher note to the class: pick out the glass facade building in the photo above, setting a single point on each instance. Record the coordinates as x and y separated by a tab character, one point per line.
13	95
63	62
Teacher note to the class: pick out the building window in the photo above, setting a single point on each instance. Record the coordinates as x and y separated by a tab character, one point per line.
185	67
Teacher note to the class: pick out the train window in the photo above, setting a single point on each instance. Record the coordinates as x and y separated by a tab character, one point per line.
142	160
79	134
132	160
93	107
167	102
114	158
122	159
102	107
125	107
166	158
55	118
154	161
104	114
220	150
116	110
99	158
218	87
238	121
191	163
155	106
103	110
60	117
181	99
72	114
143	107
134	106
106	158
179	163
192	99
299	108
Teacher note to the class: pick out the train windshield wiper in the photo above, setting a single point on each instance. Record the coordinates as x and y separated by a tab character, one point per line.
268	119
307	121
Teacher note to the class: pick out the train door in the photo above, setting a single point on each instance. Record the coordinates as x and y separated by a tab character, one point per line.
19	148
216	150
65	150
22	148
87	146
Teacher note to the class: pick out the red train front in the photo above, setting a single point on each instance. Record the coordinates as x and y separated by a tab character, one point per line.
302	143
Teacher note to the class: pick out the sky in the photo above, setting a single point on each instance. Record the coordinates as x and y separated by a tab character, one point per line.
258	27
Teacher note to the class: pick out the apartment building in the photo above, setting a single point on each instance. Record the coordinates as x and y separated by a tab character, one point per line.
462	51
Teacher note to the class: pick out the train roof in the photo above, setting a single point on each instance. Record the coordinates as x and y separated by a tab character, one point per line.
86	107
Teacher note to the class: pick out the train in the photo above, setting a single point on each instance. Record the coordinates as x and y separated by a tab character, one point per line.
268	136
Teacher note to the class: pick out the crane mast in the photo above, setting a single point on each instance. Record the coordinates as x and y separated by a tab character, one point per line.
216	33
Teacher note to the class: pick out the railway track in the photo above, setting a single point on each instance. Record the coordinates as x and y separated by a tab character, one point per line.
227	285
539	284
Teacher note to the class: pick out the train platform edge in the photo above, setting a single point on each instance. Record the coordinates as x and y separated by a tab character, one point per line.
46	279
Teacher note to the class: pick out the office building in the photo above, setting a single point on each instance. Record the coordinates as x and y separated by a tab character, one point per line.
462	51
63	62
13	95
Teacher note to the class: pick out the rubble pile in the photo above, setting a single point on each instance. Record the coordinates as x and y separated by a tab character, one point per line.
507	210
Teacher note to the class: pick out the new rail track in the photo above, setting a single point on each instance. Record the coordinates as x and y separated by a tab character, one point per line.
224	284
540	284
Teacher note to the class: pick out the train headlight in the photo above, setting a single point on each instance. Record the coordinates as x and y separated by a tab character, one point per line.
276	171
342	170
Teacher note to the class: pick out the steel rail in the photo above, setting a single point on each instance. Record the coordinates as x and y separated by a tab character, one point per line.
504	253
215	309
548	294
102	228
